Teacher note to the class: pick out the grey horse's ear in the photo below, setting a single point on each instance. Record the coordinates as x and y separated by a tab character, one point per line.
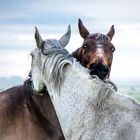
111	32
64	40
38	38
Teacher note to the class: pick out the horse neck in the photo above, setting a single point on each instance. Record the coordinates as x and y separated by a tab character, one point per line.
39	105
41	110
72	72
82	101
43	113
86	107
70	105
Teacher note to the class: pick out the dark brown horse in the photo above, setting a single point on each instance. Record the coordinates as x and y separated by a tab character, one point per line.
24	115
27	116
96	52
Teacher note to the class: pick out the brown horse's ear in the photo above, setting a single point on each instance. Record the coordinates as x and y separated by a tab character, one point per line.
82	30
38	38
111	32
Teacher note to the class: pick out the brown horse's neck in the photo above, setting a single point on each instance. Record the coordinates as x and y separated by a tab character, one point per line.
36	108
42	111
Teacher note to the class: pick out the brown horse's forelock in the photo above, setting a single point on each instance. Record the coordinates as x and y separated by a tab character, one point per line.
99	37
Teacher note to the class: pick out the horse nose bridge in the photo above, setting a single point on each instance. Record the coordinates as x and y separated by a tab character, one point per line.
100	52
100	56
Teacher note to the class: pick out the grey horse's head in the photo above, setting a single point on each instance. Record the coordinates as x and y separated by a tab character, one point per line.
40	54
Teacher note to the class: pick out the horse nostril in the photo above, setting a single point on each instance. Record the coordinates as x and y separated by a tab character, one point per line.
92	66
106	68
99	69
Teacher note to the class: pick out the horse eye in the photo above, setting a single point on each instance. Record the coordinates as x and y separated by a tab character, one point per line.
113	49
32	55
84	46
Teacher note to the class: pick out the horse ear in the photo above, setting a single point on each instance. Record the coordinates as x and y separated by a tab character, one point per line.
38	38
111	32
64	40
82	29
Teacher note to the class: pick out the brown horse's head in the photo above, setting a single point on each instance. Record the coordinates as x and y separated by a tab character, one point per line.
96	52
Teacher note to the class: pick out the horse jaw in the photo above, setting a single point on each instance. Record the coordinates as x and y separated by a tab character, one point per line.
64	40
36	71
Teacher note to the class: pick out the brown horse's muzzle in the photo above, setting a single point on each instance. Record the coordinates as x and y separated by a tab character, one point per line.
99	69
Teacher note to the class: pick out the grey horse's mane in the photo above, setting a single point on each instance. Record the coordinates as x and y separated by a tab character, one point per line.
56	63
104	88
56	72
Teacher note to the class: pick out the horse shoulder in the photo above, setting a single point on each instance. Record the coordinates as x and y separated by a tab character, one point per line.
7	96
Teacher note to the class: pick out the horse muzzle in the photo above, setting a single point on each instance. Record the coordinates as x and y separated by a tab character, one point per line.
99	69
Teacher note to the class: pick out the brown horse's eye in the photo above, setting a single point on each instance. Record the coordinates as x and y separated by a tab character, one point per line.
113	49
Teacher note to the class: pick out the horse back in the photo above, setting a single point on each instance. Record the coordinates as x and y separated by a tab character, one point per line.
21	118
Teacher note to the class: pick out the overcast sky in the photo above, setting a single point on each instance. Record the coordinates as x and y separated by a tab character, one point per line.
18	18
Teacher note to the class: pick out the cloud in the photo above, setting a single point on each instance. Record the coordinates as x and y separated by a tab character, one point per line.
21	37
14	63
45	12
18	18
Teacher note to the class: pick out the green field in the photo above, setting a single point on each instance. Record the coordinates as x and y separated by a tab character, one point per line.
133	92
129	86
135	95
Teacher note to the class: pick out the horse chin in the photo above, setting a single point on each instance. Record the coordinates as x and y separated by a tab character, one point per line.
43	90
39	89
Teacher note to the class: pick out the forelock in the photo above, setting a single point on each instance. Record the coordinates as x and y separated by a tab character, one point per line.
99	37
52	43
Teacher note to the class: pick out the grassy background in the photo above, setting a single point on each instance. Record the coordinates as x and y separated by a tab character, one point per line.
130	87
134	94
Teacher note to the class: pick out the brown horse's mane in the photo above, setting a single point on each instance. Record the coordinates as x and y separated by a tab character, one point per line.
99	37
27	87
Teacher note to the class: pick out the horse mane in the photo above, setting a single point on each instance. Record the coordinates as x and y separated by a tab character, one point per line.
27	87
104	88
56	63
99	37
